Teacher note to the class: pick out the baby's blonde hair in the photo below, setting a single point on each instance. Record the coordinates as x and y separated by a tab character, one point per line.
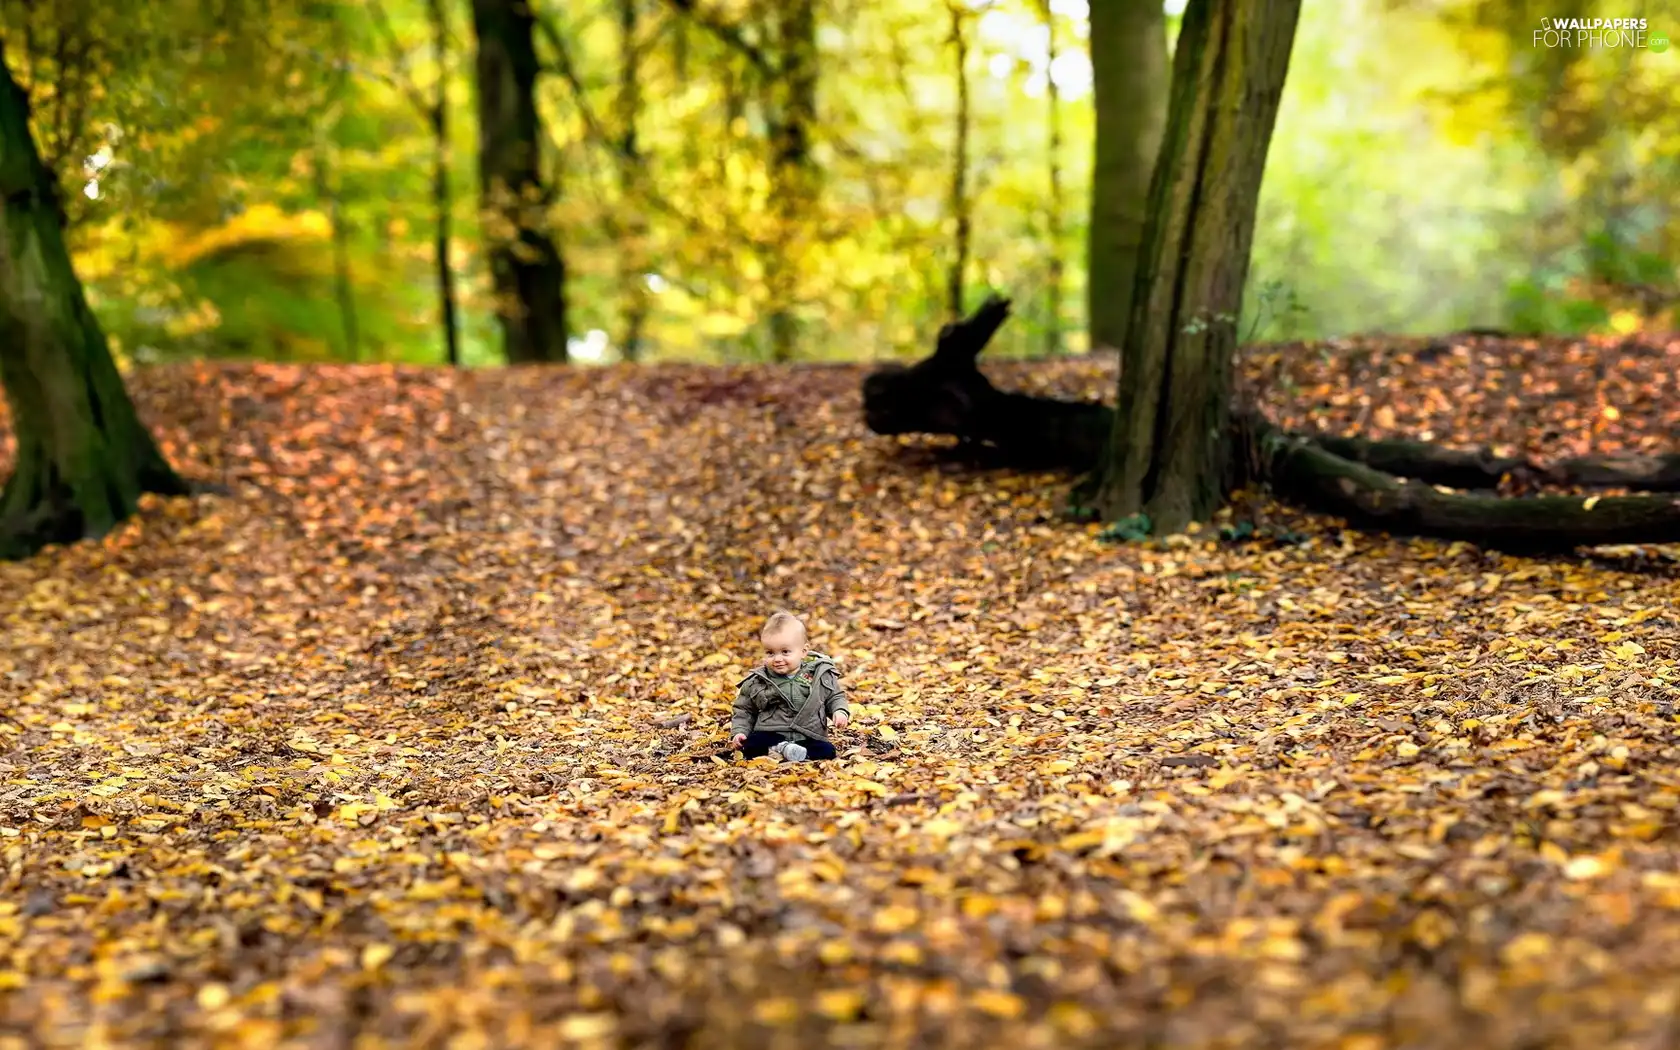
778	620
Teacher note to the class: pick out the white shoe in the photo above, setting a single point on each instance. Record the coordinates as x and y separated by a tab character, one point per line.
788	751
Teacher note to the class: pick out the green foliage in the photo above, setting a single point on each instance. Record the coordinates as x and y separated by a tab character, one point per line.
1236	532
1245	531
1540	305
1430	171
1133	529
1433	170
1276	309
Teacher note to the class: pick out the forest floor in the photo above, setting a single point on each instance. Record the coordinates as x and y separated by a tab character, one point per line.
409	740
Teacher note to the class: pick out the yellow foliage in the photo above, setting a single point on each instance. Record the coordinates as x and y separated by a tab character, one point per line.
722	325
261	222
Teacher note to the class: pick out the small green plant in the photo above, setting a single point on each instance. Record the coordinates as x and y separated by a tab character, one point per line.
1127	530
1237	532
1204	322
1287	537
1276	301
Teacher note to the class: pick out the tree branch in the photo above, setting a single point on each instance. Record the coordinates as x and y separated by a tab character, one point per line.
614	145
567	69
405	83
729	34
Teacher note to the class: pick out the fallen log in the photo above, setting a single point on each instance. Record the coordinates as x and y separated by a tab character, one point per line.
945	393
1640	473
1389	485
1455	468
1304	472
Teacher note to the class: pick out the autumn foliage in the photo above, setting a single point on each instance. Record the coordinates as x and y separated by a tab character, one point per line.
410	738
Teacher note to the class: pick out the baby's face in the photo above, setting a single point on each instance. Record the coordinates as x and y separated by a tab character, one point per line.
784	651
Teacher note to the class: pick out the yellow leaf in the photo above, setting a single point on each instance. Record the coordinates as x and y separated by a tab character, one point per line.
777	1011
1140	908
376	955
213	996
896	918
998	1004
1075	1020
840	1004
584	1027
1589	867
431	891
1590	502
1082	840
721	325
1528	947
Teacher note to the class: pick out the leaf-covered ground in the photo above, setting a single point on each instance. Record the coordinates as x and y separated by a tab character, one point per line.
408	740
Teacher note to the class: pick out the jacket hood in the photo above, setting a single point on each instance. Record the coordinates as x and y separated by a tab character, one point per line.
819	661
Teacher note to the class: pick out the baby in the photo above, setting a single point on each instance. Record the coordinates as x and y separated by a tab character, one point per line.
783	708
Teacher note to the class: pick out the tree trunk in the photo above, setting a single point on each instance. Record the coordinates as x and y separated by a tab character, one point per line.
1169	454
946	394
329	187
527	272
83	456
1053	291
442	202
62	53
793	94
1129	91
633	268
961	216
344	290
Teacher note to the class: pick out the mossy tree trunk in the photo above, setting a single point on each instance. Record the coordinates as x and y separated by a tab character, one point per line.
1129	88
961	211
443	201
633	265
793	173
83	456
1168	456
526	268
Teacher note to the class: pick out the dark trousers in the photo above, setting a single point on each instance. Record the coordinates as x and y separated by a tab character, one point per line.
759	744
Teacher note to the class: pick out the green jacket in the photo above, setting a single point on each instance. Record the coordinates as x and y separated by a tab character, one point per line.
760	706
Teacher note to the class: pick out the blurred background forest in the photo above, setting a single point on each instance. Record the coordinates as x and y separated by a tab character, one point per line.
250	179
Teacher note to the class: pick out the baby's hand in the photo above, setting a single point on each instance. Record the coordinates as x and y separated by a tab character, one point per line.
737	741
842	720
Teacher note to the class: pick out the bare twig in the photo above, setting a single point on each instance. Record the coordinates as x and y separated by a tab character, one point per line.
728	34
404	82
